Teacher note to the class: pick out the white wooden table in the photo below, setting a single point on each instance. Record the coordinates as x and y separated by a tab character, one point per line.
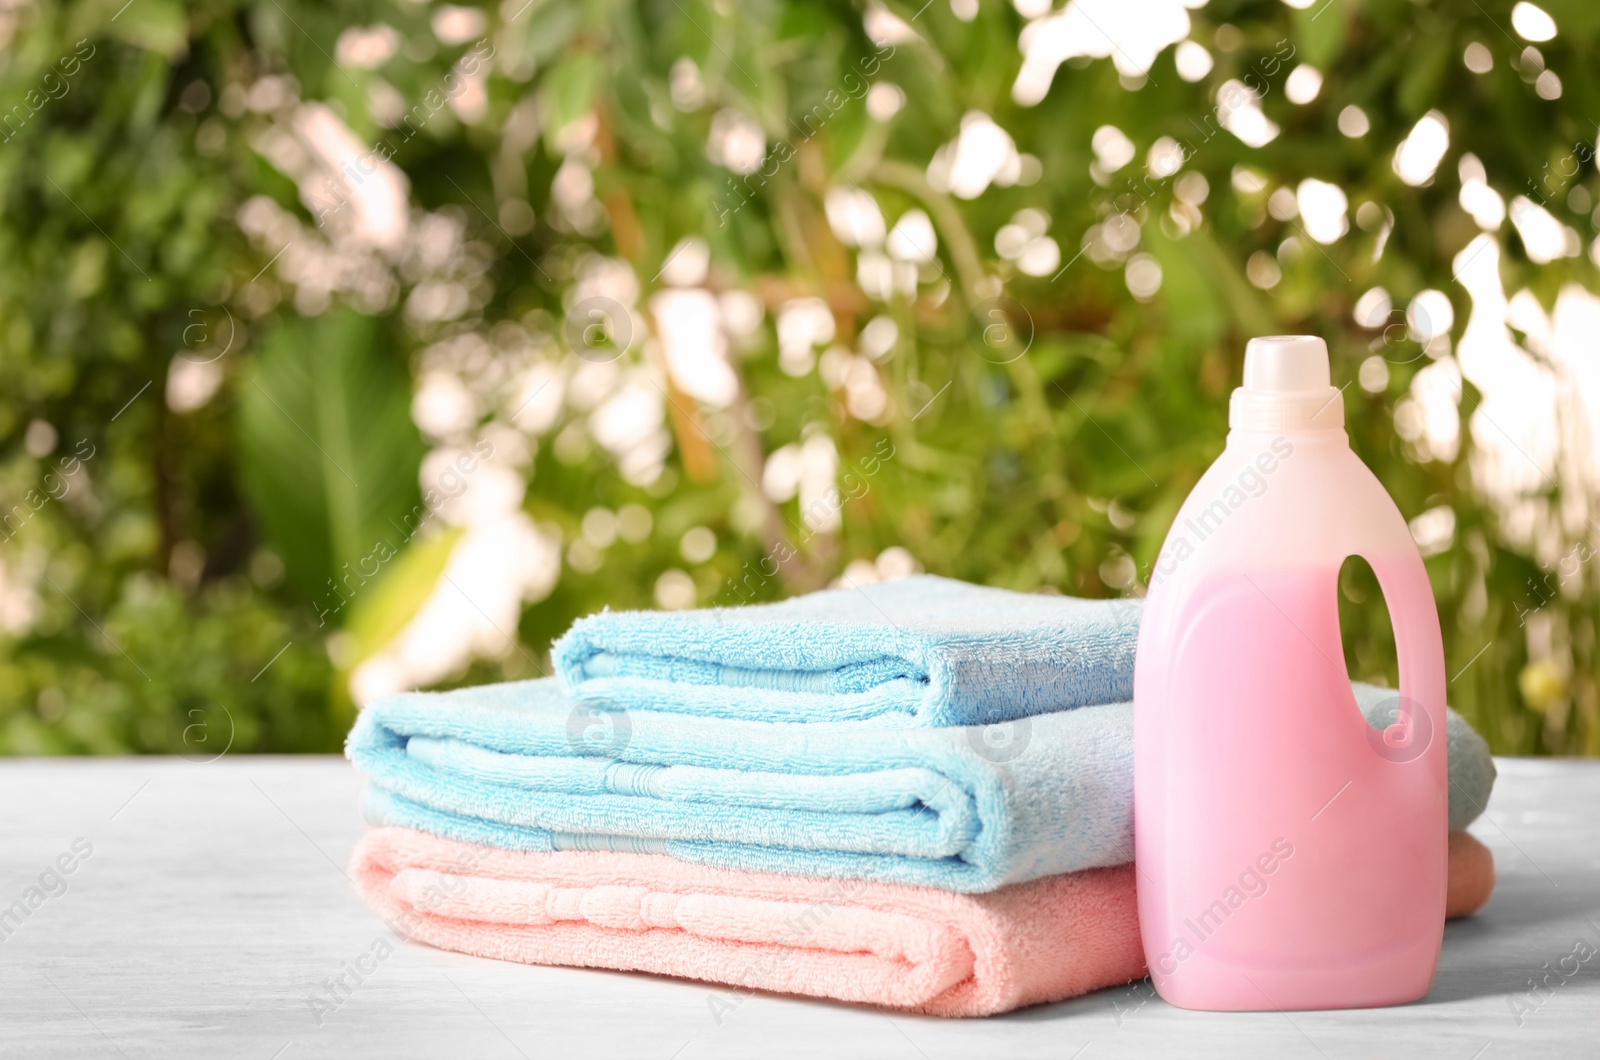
214	904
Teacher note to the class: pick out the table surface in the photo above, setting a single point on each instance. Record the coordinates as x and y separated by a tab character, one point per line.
214	903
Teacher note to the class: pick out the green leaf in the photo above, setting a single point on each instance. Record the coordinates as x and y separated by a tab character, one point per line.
384	609
568	88
1320	34
329	452
1577	20
1190	281
1246	306
155	25
1419	84
543	31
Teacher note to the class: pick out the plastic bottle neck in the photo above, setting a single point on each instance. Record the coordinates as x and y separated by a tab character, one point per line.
1312	436
1280	411
1287	387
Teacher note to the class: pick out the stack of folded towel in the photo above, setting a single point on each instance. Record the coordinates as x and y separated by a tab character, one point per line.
917	794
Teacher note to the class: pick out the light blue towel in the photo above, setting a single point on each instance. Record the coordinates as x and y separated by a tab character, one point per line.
522	766
919	652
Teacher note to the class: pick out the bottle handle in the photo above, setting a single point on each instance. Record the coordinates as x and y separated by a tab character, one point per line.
1415	715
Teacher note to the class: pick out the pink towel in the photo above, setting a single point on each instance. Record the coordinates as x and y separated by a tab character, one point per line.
915	948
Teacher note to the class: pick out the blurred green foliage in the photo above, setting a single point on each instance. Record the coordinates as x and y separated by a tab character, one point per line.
172	593
327	449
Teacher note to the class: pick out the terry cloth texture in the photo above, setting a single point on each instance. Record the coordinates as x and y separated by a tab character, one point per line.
917	652
899	947
521	766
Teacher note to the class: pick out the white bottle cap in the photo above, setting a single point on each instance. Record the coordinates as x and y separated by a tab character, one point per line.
1287	387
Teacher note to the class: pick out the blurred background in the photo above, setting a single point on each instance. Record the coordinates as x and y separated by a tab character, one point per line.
348	347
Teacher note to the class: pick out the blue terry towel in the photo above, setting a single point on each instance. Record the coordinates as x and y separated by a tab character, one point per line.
522	766
919	652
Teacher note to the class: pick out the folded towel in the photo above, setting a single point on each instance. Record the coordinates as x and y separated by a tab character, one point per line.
902	947
963	809
881	944
918	652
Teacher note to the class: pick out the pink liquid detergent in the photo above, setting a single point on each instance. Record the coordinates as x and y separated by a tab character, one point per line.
1290	855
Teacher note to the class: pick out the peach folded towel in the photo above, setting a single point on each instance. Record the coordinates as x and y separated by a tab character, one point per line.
915	948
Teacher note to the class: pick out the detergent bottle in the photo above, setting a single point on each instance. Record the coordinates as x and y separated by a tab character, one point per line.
1289	854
